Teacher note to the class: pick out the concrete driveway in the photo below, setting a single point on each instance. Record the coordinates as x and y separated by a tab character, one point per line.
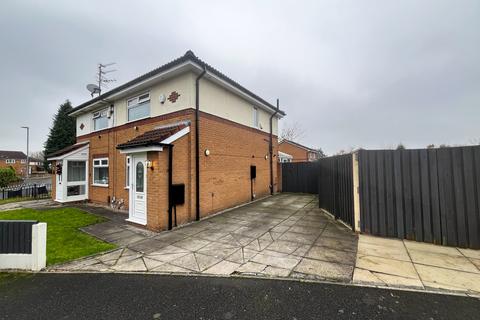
286	235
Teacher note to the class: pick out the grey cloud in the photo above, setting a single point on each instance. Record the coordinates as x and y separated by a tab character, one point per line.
354	73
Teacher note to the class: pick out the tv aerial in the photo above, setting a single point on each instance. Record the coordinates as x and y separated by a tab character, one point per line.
102	79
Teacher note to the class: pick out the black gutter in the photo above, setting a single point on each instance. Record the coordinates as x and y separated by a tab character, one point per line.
170	175
271	147
197	143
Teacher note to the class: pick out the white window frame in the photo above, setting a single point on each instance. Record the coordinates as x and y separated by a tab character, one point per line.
10	161
255	117
128	166
100	114
136	102
76	183
23	161
100	165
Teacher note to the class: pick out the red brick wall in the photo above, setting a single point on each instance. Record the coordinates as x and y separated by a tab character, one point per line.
20	168
225	173
298	154
103	144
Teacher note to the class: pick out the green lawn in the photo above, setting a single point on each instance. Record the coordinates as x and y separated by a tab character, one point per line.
64	241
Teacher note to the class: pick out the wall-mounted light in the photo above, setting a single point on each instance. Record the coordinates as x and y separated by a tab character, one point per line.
135	128
207	152
266	157
162	98
149	164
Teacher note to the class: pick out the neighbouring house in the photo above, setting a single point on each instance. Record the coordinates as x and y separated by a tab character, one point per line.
295	152
15	159
284	157
174	145
18	161
36	166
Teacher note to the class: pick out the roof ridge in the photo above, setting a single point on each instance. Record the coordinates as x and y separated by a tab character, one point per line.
188	56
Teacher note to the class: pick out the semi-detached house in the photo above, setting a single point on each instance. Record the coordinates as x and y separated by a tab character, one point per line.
174	145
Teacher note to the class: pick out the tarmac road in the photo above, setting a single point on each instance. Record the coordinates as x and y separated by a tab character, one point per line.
138	296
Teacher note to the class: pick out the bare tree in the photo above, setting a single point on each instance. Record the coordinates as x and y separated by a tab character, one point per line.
37	155
292	132
401	146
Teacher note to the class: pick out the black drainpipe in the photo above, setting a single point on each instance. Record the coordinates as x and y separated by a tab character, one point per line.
170	175
271	147
197	142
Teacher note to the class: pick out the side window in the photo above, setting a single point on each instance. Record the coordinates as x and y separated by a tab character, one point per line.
127	172
100	120
255	117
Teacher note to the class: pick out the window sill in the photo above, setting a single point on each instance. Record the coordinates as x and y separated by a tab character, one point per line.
100	185
130	121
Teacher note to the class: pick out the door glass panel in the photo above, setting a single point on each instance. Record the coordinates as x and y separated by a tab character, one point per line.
139	177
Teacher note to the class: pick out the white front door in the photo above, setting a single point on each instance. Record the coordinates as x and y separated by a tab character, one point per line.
138	189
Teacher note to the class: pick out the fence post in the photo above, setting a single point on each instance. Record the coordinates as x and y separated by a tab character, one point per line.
356	189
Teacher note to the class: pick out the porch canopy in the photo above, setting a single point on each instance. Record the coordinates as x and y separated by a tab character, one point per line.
156	139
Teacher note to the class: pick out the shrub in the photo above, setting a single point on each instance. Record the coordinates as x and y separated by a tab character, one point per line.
7	176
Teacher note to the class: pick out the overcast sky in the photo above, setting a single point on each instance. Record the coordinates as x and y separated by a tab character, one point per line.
353	73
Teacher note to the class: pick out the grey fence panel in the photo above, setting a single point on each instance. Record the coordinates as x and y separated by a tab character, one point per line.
16	236
300	177
335	187
429	195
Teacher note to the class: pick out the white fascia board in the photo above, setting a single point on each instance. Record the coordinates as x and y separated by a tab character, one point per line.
285	155
139	150
71	153
176	136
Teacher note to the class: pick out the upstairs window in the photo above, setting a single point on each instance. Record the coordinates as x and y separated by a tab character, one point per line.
10	161
138	107
100	172
255	117
23	161
100	120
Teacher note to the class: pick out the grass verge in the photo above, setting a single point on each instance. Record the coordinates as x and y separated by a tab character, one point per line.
64	241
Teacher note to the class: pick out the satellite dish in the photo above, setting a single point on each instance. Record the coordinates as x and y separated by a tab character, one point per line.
93	88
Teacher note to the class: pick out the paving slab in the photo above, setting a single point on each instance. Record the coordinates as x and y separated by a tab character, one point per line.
388	266
270	238
325	270
223	268
390	252
331	255
446	278
441	260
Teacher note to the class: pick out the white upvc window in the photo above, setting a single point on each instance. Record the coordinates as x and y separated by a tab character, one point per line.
255	117
138	107
76	178
100	120
23	161
10	161
100	172
127	172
